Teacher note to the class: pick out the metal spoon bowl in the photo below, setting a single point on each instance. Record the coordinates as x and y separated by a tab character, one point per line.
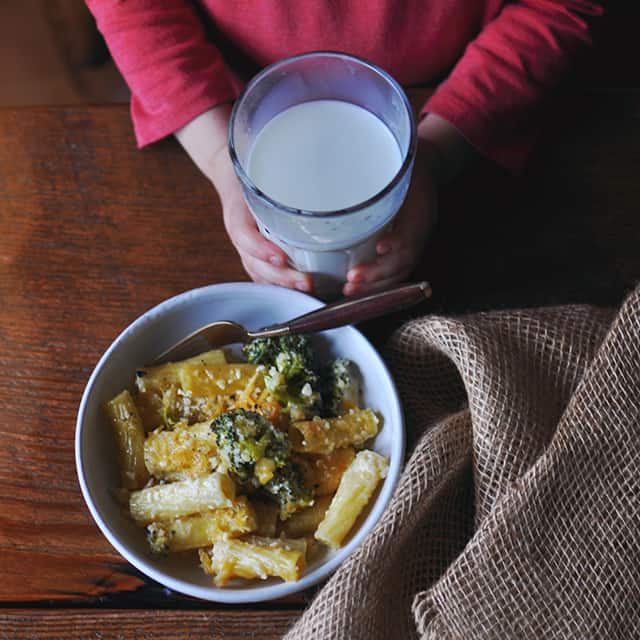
337	314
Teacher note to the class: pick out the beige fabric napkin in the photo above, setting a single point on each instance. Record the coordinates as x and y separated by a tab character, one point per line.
518	512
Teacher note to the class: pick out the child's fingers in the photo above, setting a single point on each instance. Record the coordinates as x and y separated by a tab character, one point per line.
351	288
386	244
262	260
394	240
261	271
399	248
384	267
245	236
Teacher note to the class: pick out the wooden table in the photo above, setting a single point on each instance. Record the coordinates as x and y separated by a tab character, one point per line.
94	232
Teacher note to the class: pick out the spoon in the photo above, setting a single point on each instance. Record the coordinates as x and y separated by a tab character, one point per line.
336	314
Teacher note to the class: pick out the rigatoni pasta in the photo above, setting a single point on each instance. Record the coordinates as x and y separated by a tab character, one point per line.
267	519
255	557
177	499
324	435
185	451
194	390
202	529
323	472
129	436
356	487
246	461
305	522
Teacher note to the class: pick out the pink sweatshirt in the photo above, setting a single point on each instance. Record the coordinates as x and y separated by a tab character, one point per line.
493	62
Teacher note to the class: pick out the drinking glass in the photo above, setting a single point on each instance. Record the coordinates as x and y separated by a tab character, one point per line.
328	243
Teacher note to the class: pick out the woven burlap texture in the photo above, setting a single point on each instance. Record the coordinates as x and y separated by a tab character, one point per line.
518	512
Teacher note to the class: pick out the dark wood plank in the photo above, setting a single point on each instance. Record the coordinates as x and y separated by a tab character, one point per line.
57	582
74	624
93	233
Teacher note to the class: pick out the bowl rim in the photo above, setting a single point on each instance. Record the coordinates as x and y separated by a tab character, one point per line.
253	593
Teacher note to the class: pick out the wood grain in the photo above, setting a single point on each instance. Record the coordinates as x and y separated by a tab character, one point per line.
93	232
74	624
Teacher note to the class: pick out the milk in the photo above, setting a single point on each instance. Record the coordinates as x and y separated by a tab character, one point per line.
323	155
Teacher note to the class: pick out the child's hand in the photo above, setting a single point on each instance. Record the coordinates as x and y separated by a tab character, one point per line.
400	248
261	259
442	152
205	140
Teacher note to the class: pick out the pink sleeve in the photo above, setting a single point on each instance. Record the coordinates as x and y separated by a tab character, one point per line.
494	93
173	72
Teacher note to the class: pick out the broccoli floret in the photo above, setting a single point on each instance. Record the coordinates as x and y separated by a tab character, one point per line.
291	376
266	350
340	387
288	489
261	351
244	437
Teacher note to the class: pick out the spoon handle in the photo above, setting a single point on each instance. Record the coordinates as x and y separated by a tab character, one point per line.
353	310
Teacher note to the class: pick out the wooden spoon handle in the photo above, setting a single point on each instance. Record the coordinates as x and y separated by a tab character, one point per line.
358	309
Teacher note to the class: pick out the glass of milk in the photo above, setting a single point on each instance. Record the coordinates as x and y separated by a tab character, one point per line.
323	144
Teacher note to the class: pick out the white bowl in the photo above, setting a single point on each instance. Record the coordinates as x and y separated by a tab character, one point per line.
254	306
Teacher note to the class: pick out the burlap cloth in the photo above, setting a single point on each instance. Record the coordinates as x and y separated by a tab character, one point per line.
518	512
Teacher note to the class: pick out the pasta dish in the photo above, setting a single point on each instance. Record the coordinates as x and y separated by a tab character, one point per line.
256	465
